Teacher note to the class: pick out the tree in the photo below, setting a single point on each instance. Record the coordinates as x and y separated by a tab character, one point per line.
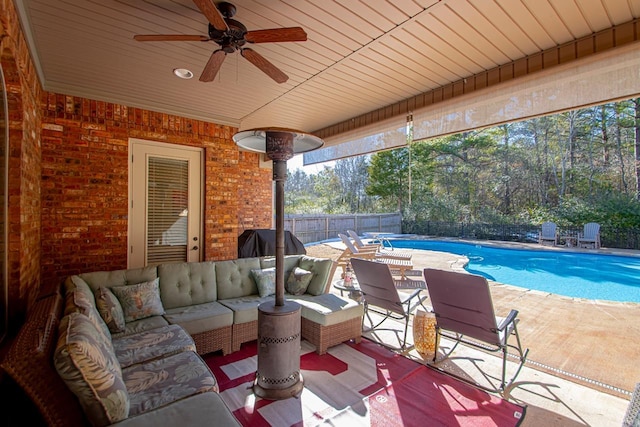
636	146
352	176
388	175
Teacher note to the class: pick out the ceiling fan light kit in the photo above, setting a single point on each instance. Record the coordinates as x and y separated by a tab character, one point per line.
232	36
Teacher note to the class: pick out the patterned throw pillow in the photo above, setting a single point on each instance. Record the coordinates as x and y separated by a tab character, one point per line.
139	301
110	309
265	280
85	307
298	281
85	360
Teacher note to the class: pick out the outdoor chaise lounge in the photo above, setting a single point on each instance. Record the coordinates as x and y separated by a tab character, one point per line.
378	248
382	297
548	233
632	415
350	252
464	313
590	236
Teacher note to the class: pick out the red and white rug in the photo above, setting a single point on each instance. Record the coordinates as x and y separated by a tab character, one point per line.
360	385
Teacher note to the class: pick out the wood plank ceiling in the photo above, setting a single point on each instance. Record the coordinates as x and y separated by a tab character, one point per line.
360	55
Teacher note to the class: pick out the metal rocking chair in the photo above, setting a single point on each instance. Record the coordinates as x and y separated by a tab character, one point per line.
464	309
382	297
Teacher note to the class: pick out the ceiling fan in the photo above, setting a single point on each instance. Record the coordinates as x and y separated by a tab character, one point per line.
232	36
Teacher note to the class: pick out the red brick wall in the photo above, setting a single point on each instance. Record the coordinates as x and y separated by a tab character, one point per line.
257	212
23	93
85	182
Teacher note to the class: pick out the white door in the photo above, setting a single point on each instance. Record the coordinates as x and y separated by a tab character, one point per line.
165	203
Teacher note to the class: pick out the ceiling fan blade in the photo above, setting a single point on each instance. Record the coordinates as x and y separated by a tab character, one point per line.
170	37
292	34
211	12
267	67
213	66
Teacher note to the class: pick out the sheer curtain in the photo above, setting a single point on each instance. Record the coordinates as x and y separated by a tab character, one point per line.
387	133
599	78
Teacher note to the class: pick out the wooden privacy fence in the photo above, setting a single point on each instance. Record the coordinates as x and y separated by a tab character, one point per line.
310	228
314	228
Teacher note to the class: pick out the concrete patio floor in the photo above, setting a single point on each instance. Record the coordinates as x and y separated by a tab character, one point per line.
582	363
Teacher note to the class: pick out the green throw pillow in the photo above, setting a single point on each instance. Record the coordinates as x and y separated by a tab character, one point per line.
298	281
139	301
265	280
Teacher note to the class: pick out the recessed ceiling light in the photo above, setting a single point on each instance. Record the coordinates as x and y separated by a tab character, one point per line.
183	73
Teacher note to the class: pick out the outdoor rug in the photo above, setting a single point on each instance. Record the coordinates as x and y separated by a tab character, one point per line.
359	385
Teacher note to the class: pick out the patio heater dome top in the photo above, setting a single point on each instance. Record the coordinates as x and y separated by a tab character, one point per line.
256	139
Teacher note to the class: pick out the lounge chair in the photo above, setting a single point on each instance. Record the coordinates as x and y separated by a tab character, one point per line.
632	415
464	309
401	266
548	233
381	250
590	236
382	297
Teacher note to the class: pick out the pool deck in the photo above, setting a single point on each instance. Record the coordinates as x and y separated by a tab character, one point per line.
583	362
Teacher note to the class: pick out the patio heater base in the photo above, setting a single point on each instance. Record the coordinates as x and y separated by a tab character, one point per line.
278	376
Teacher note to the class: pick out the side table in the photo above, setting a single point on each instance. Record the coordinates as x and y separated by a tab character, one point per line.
353	289
570	240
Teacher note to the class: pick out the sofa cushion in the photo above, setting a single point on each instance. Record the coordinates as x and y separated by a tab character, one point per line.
328	309
201	317
245	309
85	360
233	277
142	325
139	301
169	379
149	345
110	309
298	281
187	283
202	409
265	281
119	277
321	269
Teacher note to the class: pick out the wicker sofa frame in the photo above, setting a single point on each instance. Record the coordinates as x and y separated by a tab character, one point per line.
244	332
214	340
324	337
29	363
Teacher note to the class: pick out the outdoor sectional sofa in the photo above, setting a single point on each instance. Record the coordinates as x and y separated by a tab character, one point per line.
141	333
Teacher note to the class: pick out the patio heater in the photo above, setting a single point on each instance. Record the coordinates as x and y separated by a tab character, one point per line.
278	375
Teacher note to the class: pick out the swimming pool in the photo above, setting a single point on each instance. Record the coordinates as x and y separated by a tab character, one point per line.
573	274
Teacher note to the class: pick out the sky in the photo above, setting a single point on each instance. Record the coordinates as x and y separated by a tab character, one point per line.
296	163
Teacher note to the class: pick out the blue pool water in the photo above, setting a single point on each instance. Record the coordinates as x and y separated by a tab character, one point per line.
580	275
